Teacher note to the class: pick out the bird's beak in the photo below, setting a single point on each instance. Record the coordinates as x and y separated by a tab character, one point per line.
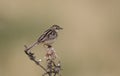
61	28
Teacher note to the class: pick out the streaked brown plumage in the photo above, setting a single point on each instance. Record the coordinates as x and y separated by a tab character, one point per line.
48	37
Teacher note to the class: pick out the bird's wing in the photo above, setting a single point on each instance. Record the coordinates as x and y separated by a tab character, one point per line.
44	36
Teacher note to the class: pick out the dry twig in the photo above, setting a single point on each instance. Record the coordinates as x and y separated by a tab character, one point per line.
52	68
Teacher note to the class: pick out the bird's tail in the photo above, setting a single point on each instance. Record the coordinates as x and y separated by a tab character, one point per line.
32	45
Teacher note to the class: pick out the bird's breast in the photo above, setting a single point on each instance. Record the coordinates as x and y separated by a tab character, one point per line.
49	41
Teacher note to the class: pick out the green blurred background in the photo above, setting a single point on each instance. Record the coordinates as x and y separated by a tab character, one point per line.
89	45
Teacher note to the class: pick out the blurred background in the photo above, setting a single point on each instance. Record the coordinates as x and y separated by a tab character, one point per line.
89	45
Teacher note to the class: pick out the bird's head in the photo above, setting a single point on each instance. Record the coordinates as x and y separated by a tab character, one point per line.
56	27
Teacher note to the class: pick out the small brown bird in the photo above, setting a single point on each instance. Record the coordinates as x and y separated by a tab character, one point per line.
48	37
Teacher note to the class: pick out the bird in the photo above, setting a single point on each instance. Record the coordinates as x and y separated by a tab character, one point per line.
48	37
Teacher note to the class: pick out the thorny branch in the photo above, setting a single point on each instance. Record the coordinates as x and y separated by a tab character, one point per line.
32	57
52	68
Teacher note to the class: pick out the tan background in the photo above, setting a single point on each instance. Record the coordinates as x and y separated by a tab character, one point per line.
89	45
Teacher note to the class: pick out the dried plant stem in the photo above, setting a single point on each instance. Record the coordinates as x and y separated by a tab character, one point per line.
52	68
32	57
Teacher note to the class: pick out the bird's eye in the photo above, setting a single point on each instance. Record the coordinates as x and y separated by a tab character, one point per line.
56	27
